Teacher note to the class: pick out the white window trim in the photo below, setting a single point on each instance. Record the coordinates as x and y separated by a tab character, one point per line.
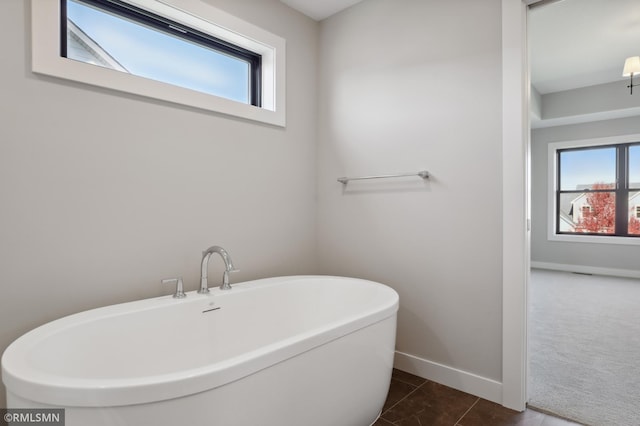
552	168
46	59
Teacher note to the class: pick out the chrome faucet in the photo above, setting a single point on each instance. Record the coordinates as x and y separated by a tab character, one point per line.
228	267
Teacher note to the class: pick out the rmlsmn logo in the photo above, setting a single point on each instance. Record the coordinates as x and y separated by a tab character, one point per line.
33	416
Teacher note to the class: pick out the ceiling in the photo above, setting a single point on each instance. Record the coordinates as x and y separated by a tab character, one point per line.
573	43
320	9
579	43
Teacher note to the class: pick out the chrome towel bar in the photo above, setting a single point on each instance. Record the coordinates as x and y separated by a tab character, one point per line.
423	174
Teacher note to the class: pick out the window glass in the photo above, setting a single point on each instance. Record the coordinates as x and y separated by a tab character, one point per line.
634	213
587	212
634	166
99	37
583	168
598	213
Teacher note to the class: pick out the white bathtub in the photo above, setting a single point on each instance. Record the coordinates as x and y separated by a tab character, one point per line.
298	351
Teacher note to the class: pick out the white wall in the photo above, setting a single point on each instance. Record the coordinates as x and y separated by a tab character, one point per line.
104	194
608	256
405	85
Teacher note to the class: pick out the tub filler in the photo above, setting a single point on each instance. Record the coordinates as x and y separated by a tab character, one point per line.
298	351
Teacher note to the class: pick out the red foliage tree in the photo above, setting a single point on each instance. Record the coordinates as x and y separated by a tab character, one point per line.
634	226
602	215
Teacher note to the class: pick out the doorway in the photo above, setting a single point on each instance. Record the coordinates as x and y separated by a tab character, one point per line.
580	323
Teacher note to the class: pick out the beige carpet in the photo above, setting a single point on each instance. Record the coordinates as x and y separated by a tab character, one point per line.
584	347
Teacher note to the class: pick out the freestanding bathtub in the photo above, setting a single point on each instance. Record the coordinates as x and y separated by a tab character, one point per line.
297	351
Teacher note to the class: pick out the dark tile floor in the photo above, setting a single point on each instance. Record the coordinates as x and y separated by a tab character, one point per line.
414	401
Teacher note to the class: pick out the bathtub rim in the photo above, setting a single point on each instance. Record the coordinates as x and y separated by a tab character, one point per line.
23	380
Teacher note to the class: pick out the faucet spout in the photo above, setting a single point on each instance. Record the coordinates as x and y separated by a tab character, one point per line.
228	267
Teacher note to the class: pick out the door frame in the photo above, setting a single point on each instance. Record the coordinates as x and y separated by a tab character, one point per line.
516	256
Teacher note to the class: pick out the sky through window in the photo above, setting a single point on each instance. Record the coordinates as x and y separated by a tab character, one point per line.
586	167
149	53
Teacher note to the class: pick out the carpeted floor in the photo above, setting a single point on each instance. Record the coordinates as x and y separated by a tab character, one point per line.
584	347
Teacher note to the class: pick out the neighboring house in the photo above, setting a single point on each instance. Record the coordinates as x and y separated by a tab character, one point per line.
579	207
634	204
83	48
566	223
572	210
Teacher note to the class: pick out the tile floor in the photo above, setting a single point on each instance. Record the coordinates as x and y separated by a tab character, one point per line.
414	401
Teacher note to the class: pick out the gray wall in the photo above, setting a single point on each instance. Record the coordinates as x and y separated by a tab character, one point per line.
396	95
104	194
565	253
595	99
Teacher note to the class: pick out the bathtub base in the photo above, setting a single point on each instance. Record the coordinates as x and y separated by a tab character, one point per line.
343	383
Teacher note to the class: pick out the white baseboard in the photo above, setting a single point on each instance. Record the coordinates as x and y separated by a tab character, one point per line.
451	377
625	273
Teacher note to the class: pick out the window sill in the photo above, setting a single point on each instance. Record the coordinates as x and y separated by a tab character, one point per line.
591	239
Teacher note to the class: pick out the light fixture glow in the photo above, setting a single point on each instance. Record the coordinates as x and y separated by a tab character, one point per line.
631	67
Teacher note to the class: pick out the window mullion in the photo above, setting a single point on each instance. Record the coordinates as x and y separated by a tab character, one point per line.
622	191
558	190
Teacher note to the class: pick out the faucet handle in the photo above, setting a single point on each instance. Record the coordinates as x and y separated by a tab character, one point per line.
179	294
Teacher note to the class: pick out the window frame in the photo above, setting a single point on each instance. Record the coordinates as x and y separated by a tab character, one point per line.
553	180
46	17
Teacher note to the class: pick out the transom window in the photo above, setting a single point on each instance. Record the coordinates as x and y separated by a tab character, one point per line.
118	35
598	190
185	52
